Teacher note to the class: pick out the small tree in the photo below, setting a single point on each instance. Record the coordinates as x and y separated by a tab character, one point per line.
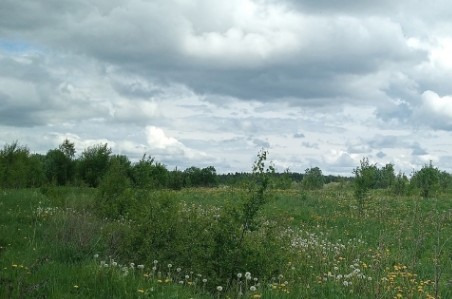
58	168
93	164
114	196
313	179
366	176
427	180
400	186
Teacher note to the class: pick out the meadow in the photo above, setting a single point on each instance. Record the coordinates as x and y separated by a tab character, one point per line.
59	242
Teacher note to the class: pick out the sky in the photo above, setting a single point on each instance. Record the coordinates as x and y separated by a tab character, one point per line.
210	82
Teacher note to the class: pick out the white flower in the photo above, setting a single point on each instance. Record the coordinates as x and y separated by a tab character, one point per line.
219	288
156	262
140	266
96	256
114	264
170	266
187	276
132	265
248	275
345	283
178	269
154	268
204	280
239	275
253	289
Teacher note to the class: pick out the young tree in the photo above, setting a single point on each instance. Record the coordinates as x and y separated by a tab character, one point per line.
427	180
58	168
68	149
366	176
313	179
93	163
15	166
149	174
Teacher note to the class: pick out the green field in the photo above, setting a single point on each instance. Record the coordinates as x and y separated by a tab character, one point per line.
53	244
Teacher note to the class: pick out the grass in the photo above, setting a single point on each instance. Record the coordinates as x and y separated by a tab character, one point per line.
400	248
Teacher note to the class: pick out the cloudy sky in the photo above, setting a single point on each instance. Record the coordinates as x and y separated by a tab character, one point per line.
210	82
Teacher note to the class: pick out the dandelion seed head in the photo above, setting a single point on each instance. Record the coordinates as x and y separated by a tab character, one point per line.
253	289
219	288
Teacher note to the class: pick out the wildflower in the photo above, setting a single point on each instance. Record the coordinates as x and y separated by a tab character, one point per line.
345	283
140	291
76	286
219	288
132	265
14	265
178	269
156	262
204	280
154	268
96	256
114	264
253	289
140	267
170	266
239	275
187	276
248	275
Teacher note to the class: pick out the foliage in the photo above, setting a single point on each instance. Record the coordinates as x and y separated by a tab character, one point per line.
365	178
148	174
427	180
68	149
197	177
18	169
93	164
114	199
400	185
313	179
58	167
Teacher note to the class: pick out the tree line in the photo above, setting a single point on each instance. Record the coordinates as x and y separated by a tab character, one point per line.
19	168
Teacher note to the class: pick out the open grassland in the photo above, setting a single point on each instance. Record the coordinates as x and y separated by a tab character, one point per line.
186	244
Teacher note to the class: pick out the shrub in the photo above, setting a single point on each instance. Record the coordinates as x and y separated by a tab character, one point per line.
427	180
115	198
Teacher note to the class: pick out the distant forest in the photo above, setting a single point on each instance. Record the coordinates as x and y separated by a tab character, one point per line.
19	168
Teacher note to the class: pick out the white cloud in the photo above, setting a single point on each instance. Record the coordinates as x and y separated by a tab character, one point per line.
198	81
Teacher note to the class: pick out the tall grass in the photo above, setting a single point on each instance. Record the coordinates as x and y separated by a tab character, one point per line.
310	244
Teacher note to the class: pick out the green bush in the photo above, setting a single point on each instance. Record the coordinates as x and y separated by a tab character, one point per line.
115	197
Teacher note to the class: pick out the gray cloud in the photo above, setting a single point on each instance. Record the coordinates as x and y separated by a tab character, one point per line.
356	77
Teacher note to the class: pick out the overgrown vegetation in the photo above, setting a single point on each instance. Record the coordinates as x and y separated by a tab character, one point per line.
131	236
